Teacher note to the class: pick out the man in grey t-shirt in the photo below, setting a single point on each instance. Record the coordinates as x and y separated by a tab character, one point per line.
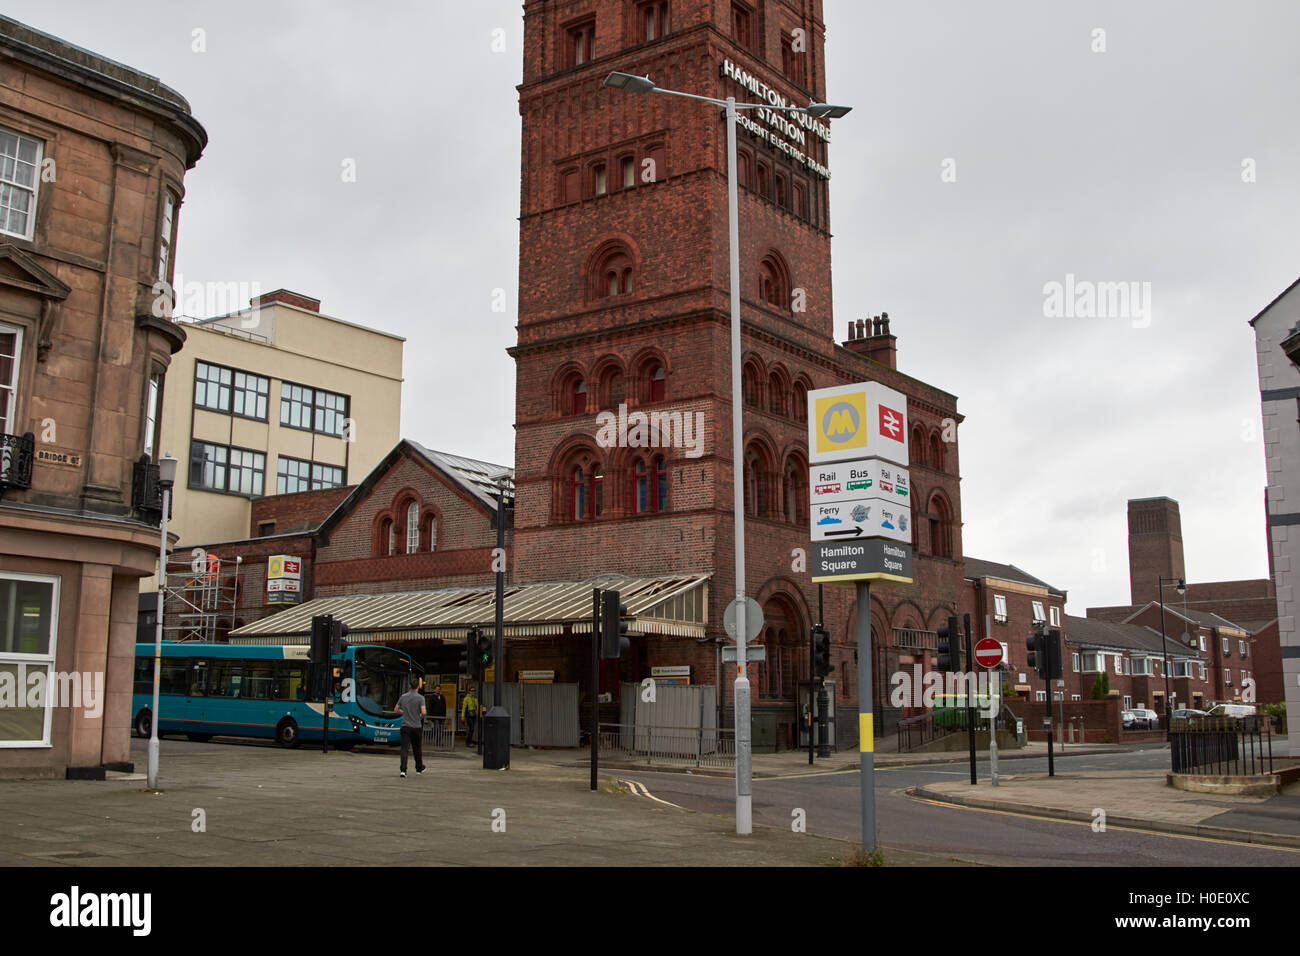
411	706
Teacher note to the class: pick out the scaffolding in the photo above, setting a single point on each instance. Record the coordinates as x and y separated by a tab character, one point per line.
200	598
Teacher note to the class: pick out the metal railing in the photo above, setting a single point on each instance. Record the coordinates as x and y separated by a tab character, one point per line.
918	731
669	746
439	733
16	454
1221	746
915	638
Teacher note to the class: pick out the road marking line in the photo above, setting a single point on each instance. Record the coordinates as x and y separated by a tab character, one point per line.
632	785
1085	823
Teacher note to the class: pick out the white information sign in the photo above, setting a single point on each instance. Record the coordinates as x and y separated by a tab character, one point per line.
867	478
861	518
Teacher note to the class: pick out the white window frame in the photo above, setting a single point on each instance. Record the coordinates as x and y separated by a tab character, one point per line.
1074	661
10	390
1227	676
412	528
1227	646
1202	636
46	660
1039	613
1128	702
166	229
1098	662
1040	696
1241	646
1142	667
1056	616
1000	608
35	187
1075	697
1119	663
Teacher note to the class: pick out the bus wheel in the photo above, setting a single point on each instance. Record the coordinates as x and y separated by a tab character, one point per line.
143	723
286	733
199	738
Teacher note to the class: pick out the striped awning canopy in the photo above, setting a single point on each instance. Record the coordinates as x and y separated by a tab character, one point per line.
675	605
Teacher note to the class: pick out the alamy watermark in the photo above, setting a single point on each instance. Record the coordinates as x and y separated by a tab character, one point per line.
945	689
31	689
1085	299
658	429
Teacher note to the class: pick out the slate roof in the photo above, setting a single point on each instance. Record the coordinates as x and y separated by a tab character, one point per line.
1091	632
979	568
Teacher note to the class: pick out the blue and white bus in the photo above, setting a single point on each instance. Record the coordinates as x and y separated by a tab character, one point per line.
246	690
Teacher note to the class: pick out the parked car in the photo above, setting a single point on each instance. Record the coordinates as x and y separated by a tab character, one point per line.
1139	719
1232	710
1187	712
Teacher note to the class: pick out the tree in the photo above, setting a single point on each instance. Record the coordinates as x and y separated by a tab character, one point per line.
1101	688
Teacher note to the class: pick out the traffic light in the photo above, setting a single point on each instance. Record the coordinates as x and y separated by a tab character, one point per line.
338	631
612	626
468	655
321	628
1037	645
483	653
948	646
1052	647
821	641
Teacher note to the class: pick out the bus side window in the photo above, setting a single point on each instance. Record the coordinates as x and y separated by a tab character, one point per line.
198	679
143	675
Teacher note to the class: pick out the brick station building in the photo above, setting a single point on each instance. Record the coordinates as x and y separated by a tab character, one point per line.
624	309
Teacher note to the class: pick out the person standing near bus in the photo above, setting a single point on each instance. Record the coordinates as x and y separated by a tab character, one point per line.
469	711
411	706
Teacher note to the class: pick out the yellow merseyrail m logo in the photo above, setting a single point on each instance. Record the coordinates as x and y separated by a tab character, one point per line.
841	422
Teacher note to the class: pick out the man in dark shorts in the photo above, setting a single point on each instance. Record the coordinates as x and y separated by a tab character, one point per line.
411	706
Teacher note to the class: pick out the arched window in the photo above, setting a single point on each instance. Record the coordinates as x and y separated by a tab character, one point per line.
658	378
795	492
936	452
776	394
391	536
940	527
578	397
430	533
749	385
611	271
757	483
744	170
615	391
650	486
916	454
774	282
384	540
585	492
412	528
800	401
641	489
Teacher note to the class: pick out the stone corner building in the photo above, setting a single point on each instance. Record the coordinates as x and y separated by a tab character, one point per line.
624	303
93	156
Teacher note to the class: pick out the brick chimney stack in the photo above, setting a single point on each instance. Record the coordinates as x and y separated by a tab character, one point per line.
872	338
288	298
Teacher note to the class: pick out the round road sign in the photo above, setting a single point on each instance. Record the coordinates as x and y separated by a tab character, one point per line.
988	653
753	619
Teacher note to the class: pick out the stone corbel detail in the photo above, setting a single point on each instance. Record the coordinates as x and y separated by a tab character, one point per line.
50	309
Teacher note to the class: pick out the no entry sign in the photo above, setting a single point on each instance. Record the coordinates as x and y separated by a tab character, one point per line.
988	653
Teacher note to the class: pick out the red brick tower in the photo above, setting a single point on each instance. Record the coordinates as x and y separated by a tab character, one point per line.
1155	546
624	302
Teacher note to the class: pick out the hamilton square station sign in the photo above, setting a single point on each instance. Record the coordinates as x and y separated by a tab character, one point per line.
786	132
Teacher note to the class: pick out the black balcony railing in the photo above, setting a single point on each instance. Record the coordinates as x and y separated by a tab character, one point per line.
16	454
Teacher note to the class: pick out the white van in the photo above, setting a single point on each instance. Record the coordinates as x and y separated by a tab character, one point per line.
1232	710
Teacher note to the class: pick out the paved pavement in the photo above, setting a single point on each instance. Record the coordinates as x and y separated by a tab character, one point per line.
1140	799
266	806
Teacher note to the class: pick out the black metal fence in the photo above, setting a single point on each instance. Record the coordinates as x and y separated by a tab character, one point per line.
914	732
1222	746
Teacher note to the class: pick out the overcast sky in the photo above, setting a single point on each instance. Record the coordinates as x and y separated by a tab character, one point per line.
993	148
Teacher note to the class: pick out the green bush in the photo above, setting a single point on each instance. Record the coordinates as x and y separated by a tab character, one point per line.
1101	688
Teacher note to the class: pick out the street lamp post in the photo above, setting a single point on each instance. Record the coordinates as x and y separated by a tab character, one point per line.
1181	588
166	477
643	84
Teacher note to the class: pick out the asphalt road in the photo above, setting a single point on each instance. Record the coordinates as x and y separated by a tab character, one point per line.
830	803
